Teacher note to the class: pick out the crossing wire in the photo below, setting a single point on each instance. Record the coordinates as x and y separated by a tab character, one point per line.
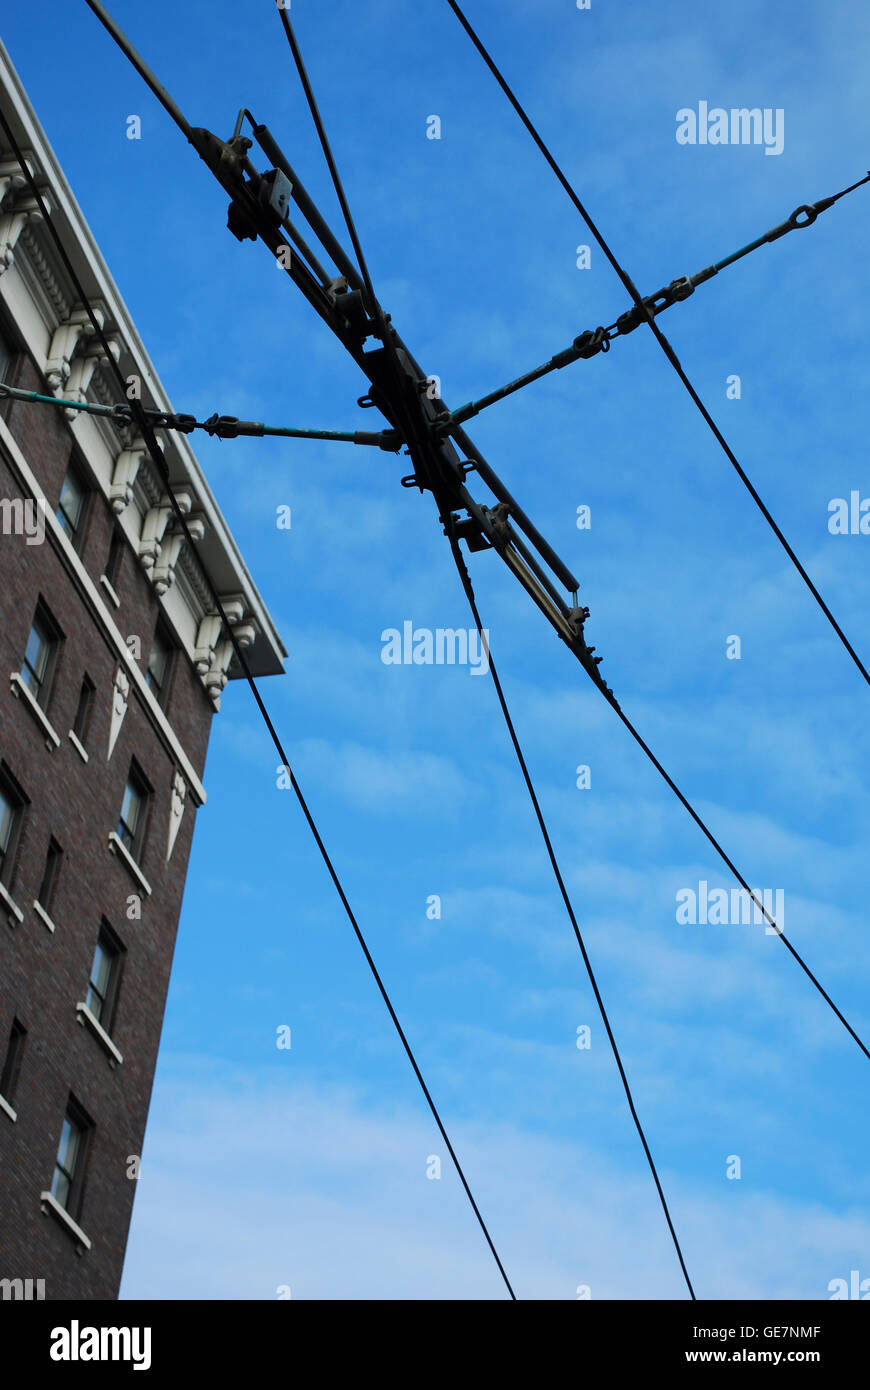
224	426
658	334
412	431
672	356
418	446
411	434
160	463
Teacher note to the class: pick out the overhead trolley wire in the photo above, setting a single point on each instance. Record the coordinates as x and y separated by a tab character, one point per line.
327	151
417	440
644	310
422	441
740	879
569	908
160	463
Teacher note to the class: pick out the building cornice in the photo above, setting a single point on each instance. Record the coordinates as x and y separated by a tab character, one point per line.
41	300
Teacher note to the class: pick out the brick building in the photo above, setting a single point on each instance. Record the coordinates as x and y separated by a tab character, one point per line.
112	663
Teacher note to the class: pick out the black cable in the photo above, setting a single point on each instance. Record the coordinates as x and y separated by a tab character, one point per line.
224	426
160	463
662	340
414	440
740	879
333	168
469	591
411	431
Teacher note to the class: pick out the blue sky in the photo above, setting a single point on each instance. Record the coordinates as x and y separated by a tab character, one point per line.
307	1168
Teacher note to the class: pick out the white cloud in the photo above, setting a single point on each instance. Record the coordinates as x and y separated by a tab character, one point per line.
250	1182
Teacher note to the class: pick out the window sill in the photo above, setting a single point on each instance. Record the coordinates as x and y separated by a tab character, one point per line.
78	746
51	1204
41	912
117	846
86	1017
7	1109
19	689
107	585
11	905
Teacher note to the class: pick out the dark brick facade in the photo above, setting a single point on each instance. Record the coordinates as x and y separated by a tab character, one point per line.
43	974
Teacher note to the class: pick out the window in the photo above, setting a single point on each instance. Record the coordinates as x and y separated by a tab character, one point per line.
105	977
49	874
12	803
68	1180
134	809
40	655
116	554
12	1063
71	508
160	665
83	709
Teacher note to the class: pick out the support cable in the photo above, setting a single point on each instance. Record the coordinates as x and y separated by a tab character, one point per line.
223	426
160	463
663	342
594	340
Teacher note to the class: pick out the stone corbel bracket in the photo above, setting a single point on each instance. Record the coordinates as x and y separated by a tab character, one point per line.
82	368
65	342
12	180
18	208
221	648
154	527
163	572
124	475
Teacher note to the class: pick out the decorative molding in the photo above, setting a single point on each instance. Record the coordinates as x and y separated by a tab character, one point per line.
154	527
207	635
163	574
215	676
41	272
14	218
149	485
120	697
82	368
65	340
192	570
176	810
124	473
12	179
